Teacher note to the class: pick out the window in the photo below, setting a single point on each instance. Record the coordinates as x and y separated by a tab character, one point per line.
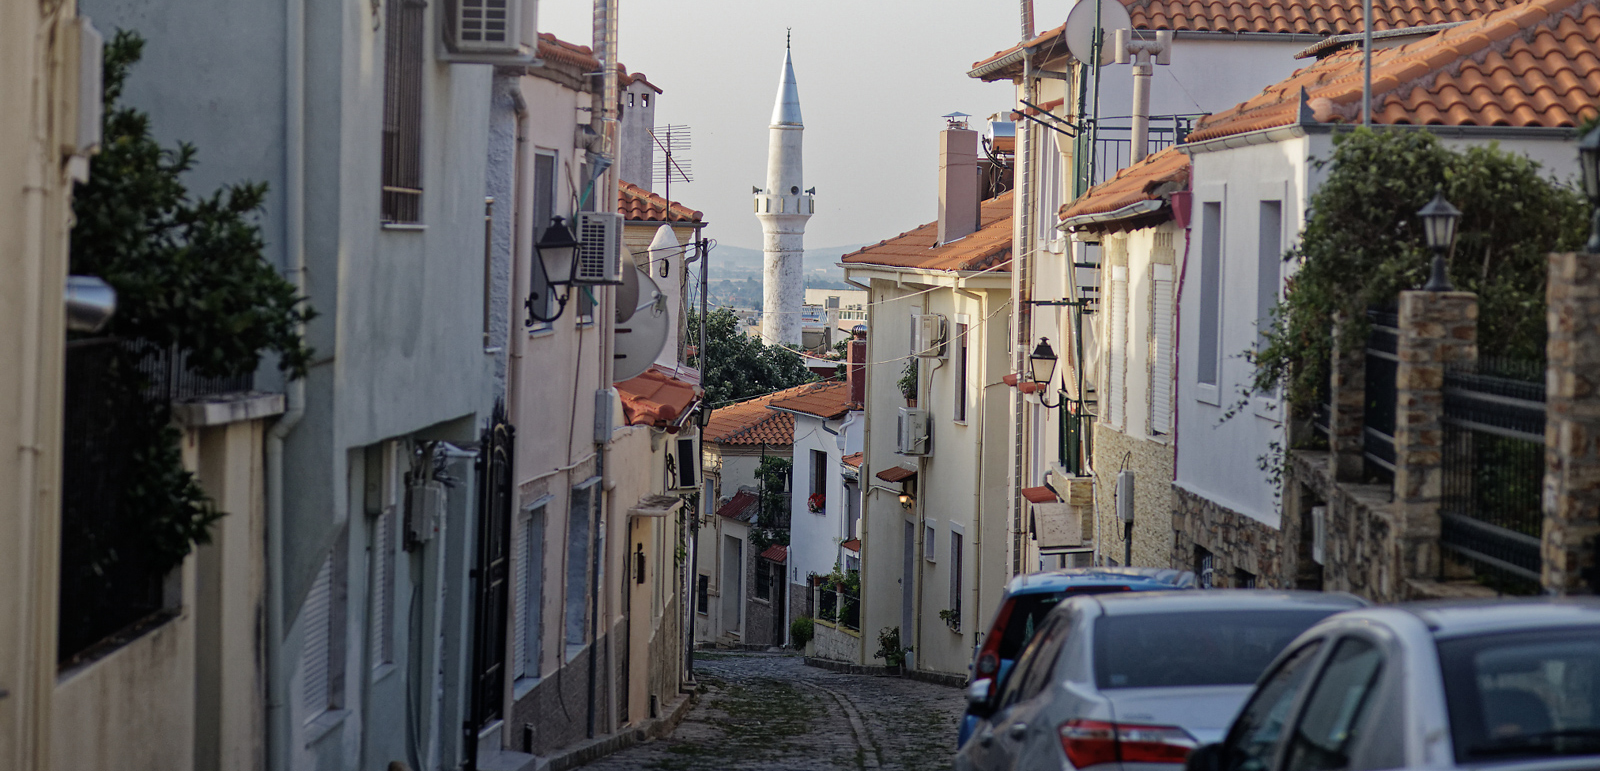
763	579
702	593
1161	349
1269	259
1209	344
1331	719
630	99
1200	647
488	270
402	112
645	98
819	480
1525	694
1204	567
580	518
382	559
959	414
1117	361
1258	730
528	626
322	657
955	575
852	509
930	543
544	208
1243	579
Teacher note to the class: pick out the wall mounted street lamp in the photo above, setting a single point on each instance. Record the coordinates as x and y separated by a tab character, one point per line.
1439	220
905	500
554	253
1042	370
1589	162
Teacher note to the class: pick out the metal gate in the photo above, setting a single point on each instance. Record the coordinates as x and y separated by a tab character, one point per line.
491	576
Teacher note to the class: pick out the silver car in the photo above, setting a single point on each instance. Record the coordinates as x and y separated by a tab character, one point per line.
1135	680
1506	685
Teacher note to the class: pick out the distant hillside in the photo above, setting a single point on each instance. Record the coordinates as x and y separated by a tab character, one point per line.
736	273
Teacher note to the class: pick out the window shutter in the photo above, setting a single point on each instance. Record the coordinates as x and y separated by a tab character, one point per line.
1118	359
519	600
383	588
314	658
1161	348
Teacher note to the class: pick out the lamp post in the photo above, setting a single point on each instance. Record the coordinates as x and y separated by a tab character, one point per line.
1042	369
1439	220
1589	162
553	255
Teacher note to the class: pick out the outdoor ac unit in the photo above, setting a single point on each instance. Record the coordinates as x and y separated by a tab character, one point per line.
490	31
914	439
927	336
424	507
685	464
599	248
1125	495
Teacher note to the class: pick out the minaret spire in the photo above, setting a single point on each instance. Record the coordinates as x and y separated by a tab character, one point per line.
783	206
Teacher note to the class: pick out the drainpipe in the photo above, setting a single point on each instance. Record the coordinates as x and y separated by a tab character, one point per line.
295	396
977	468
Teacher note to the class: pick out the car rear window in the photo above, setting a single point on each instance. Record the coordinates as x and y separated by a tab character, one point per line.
1028	612
1216	647
1528	694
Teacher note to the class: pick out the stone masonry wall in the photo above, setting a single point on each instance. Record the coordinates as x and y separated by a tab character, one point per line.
1360	553
1151	463
1572	428
1235	541
836	644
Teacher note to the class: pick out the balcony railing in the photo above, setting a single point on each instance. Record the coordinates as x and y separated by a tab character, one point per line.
1113	150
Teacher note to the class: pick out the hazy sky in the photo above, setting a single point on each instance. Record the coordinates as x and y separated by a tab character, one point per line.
874	77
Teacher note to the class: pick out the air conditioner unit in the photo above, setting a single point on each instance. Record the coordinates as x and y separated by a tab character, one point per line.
424	507
599	249
927	336
490	31
685	470
914	437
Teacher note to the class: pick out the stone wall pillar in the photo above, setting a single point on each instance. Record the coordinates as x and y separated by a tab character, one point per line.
1437	330
1572	425
1347	407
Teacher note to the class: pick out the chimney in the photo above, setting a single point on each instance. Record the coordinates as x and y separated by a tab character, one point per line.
958	183
856	373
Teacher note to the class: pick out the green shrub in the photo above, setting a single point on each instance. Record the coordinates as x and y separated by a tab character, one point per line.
801	630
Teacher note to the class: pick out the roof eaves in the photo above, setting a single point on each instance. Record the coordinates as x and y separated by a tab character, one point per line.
1336	41
1131	211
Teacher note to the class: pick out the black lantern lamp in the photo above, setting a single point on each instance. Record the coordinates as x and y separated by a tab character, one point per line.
1439	220
555	251
1589	162
1042	369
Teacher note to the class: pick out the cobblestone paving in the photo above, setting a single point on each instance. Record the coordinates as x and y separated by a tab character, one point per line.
762	711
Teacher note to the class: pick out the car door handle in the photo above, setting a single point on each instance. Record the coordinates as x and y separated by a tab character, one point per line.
1018	731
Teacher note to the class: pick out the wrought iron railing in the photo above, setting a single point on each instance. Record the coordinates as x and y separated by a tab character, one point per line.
1382	365
1114	141
1493	466
838	607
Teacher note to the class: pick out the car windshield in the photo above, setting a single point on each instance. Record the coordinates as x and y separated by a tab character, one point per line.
1526	694
1206	647
1028	612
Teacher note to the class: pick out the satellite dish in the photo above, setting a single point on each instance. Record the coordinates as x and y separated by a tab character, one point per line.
1080	28
645	335
627	294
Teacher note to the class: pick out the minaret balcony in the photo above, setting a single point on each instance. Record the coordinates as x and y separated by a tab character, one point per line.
803	203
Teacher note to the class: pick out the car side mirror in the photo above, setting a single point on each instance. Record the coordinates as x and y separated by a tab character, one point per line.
1207	757
978	693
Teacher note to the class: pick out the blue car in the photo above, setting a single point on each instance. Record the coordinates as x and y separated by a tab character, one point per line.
1029	598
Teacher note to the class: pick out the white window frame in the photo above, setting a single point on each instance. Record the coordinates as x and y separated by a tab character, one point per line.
1213	248
1163	315
527	639
1117	350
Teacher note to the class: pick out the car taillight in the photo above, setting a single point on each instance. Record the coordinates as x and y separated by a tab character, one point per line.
1091	742
988	664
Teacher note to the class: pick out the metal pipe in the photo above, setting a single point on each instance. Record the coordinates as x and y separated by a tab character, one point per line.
295	392
1366	63
1141	110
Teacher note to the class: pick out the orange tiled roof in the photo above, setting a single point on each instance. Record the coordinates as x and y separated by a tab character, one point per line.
853	459
854	544
736	506
987	249
558	50
1534	64
637	204
828	399
1040	494
655	398
896	474
626	78
776	553
750	422
1140	182
1319	17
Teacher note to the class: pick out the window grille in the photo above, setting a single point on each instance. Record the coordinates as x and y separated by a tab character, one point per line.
402	112
1161	348
763	579
1118	350
321	656
383	588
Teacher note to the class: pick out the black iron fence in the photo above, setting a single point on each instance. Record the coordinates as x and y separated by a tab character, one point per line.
1494	421
1382	364
116	403
1113	150
838	607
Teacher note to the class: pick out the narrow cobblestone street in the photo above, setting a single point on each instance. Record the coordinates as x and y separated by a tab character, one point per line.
771	711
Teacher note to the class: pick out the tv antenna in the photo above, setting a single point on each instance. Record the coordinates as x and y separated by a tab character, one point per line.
674	143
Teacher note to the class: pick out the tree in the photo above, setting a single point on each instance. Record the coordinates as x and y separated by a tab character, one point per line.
772	514
739	367
1363	244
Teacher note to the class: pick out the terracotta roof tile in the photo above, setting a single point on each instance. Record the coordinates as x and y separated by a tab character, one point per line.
828	399
854	544
626	78
988	249
558	50
1040	494
896	474
750	422
1320	17
1140	182
736	506
656	398
776	553
637	204
1532	64
853	459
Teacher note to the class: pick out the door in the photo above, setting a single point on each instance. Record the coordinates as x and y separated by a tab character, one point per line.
779	583
732	571
491	581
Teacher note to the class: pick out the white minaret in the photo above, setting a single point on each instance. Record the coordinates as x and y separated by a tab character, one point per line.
783	207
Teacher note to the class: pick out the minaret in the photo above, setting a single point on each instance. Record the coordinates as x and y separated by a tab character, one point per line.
783	207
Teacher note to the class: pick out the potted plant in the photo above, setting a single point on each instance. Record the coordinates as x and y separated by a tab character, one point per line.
894	656
817	503
908	382
952	618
